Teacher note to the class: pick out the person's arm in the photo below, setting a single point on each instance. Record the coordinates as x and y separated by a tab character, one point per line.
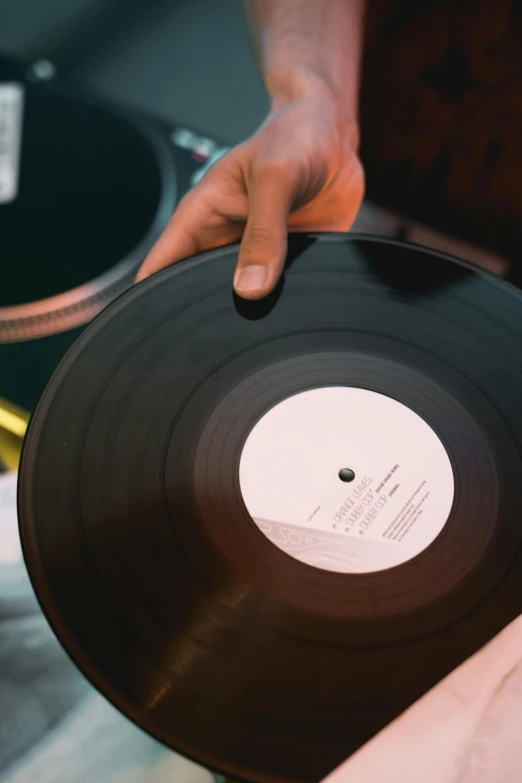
467	729
300	171
309	47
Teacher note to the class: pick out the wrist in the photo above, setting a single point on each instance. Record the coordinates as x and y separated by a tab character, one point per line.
297	85
309	88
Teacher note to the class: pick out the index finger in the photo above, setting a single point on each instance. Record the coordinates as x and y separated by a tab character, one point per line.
179	240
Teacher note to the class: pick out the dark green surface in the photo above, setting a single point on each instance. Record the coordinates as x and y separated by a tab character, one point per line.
189	61
25	368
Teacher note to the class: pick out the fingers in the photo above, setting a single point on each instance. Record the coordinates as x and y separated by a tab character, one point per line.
177	241
262	254
215	212
194	227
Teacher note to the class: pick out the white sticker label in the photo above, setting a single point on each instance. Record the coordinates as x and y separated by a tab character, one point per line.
10	547
397	501
11	109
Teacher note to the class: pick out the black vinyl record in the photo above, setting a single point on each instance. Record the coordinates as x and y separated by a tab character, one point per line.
156	578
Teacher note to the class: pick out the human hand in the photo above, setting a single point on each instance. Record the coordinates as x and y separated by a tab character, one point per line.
299	172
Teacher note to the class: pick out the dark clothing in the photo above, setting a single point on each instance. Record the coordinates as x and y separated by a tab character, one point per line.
441	115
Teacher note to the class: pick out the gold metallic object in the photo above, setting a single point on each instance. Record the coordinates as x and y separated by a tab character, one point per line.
13	425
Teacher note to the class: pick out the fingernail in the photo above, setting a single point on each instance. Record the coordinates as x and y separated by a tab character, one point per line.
251	278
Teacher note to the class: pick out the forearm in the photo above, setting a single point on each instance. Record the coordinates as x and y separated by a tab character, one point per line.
309	46
467	729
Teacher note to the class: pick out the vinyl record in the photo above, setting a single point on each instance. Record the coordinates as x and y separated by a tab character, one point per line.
263	530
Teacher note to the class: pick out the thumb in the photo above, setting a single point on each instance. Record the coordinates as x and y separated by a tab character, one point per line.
262	254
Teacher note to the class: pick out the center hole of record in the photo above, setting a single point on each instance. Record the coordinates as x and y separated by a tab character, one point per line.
345	474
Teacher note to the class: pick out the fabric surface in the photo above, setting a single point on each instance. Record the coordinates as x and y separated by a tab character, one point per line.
441	115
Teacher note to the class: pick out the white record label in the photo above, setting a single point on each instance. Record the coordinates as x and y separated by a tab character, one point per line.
397	501
11	106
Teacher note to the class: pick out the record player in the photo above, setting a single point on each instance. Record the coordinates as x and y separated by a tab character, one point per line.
85	189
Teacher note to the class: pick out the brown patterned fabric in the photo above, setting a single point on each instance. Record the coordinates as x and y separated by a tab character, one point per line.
441	115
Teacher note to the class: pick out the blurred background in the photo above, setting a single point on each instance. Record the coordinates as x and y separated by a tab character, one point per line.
109	111
188	61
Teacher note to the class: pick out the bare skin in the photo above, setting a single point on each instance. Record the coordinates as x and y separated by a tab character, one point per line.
465	730
300	171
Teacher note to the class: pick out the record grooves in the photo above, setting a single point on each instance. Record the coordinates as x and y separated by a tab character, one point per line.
197	613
